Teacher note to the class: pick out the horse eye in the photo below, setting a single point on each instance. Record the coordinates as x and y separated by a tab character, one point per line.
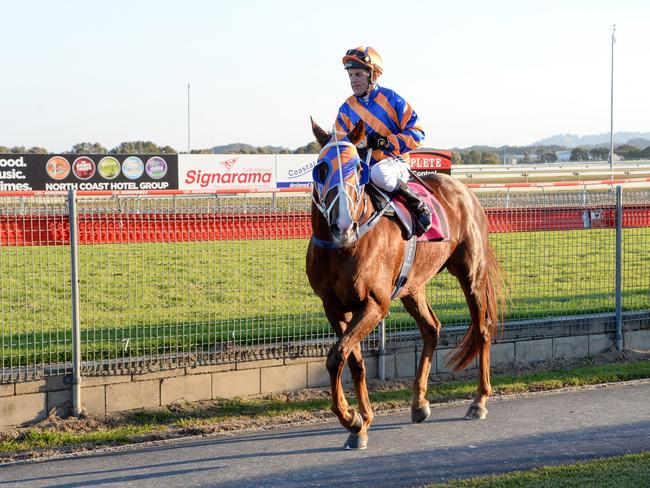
322	171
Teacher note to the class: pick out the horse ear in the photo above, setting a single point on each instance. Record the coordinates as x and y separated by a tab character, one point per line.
321	136
358	133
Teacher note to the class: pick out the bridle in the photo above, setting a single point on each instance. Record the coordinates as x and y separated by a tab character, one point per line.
348	206
320	200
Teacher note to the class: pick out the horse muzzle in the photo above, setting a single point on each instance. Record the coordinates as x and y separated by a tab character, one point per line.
342	237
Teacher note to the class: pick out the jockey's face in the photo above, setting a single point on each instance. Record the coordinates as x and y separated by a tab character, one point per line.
359	80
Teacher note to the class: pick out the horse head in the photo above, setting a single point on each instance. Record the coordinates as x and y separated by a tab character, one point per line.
339	179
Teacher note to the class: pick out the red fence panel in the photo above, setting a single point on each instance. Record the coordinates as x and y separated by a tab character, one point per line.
44	230
18	230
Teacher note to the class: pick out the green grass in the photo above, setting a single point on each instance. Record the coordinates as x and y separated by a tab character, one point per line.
629	471
191	418
183	297
39	439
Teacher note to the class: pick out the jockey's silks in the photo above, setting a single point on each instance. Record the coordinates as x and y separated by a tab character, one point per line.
388	114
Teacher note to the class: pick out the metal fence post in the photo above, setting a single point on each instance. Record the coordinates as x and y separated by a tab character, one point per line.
74	274
381	353
619	265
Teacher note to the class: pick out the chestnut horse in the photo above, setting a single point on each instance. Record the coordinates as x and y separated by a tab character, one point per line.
353	268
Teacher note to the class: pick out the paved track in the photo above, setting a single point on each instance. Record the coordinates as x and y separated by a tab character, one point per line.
520	433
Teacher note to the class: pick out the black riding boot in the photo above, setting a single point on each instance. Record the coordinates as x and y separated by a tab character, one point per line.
416	206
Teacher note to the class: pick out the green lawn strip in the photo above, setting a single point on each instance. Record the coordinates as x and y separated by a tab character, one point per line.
42	439
195	417
632	470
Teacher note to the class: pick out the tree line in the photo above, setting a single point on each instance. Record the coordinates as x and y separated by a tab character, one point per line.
545	154
133	147
473	155
148	147
625	151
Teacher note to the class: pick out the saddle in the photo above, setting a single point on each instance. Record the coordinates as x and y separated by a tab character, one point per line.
399	212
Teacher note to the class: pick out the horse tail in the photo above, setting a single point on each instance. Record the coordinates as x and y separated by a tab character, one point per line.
495	298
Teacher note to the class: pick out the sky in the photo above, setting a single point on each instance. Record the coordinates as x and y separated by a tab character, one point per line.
476	72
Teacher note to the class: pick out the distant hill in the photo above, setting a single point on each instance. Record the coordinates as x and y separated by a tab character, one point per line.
551	144
241	147
574	140
639	142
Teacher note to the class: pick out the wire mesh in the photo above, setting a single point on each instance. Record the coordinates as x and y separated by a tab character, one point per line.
35	294
169	281
636	260
557	251
196	280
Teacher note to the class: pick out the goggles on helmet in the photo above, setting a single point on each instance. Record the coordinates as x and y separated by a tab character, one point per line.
360	55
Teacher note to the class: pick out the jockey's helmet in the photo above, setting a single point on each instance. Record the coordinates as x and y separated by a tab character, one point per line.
364	57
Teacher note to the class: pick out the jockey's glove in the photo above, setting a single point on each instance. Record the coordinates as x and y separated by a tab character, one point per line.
375	141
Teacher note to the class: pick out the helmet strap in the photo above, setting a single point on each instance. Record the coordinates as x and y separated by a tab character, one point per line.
371	84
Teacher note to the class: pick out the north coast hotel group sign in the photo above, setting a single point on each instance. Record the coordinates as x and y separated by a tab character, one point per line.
188	172
60	172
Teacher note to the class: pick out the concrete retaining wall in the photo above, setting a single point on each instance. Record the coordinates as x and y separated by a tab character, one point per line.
25	402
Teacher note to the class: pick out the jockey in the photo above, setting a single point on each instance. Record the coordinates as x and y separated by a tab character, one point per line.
392	126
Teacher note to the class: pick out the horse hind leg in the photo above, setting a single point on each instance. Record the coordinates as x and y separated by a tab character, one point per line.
478	337
418	307
478	409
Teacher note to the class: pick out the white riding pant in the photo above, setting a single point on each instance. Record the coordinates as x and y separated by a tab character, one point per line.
387	173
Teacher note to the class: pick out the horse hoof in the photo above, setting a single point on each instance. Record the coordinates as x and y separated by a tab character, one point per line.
357	423
476	412
356	441
419	415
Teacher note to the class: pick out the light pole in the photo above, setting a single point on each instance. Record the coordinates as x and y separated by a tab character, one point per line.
611	115
188	118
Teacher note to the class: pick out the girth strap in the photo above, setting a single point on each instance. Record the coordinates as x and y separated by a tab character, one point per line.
409	257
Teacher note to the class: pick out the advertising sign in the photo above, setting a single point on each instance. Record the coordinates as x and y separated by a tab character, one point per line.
61	172
294	170
425	162
187	172
226	172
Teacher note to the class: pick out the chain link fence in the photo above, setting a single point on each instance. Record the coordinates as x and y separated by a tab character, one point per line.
171	281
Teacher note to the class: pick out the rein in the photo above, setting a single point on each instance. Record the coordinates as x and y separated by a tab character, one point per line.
363	228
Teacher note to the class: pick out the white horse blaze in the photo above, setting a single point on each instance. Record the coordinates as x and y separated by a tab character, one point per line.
344	219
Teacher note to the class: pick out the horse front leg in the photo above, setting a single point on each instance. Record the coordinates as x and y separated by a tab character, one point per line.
358	370
363	321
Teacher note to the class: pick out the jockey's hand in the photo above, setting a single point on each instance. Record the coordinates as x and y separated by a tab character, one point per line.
375	141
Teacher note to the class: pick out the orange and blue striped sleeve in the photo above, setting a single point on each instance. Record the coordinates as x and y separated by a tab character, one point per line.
387	114
411	133
343	122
